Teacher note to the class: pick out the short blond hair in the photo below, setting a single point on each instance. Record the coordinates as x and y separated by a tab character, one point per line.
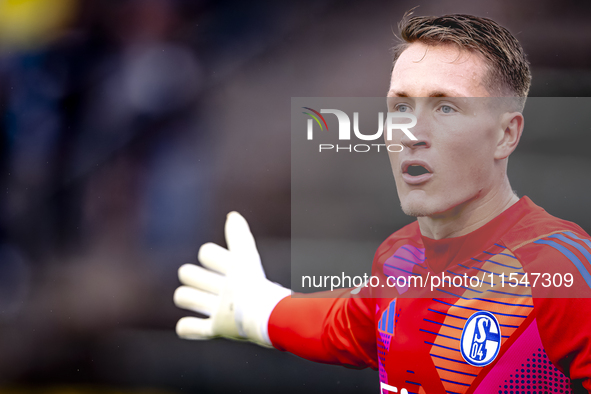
508	74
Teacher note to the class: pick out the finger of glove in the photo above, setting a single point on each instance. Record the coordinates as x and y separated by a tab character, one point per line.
201	278
241	243
194	328
215	257
238	236
196	300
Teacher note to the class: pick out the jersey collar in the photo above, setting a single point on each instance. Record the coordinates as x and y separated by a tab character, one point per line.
447	252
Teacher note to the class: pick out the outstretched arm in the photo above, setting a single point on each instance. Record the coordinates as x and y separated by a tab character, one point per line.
335	330
241	303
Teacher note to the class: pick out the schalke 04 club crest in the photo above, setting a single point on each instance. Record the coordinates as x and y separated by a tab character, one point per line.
481	339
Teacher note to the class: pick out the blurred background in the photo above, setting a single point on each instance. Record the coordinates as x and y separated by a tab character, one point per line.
129	129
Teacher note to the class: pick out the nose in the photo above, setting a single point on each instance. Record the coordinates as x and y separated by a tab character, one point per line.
421	134
412	144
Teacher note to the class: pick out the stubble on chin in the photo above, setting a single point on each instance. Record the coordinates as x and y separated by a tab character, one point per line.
414	210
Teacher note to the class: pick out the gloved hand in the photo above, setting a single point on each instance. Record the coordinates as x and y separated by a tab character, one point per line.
233	291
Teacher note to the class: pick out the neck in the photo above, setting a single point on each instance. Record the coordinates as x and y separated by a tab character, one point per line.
469	215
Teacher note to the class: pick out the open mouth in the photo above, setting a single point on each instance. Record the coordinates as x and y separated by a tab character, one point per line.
416	170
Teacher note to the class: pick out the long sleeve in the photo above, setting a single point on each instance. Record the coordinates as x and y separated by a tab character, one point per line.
336	330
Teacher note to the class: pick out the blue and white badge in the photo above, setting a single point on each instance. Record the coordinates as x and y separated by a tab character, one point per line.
481	339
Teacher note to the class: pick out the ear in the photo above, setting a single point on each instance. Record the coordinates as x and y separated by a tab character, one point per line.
512	128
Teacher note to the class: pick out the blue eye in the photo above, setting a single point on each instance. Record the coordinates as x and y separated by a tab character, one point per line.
446	109
402	108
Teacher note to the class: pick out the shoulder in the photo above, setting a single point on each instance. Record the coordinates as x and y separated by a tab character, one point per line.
545	244
538	229
537	224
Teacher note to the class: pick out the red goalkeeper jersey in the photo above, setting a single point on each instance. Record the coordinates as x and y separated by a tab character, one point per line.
503	334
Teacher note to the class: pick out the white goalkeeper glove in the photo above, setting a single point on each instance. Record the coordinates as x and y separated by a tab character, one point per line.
233	291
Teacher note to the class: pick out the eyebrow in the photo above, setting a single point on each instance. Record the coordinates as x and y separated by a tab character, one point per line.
435	93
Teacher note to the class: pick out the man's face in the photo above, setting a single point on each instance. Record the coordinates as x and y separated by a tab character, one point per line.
457	130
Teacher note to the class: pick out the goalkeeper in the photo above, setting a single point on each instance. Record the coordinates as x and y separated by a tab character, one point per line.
453	178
